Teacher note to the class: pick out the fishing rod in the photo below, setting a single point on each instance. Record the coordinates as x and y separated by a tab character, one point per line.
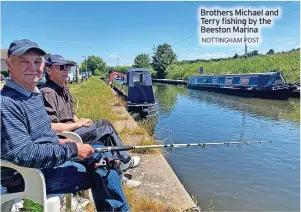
99	161
203	145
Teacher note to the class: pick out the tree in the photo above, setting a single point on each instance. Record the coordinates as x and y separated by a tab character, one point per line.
235	56
97	72
271	51
94	63
122	69
163	57
253	53
142	61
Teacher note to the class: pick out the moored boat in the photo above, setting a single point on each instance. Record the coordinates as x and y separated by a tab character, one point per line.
115	75
137	87
270	85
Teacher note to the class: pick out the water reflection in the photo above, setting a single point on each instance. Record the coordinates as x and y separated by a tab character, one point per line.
274	109
166	95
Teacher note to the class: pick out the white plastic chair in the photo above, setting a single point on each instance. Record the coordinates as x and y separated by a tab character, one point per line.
71	135
35	188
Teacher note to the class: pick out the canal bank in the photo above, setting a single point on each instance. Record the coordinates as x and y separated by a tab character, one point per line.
261	177
160	188
158	181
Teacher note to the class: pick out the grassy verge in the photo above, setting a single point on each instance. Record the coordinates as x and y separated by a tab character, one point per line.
138	204
94	99
95	102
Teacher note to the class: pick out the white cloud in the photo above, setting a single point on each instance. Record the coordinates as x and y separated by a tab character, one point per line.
110	53
71	42
292	42
113	55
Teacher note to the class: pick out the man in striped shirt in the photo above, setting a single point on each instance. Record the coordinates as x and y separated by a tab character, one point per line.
27	138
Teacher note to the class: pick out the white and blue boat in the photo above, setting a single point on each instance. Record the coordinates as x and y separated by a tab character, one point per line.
270	85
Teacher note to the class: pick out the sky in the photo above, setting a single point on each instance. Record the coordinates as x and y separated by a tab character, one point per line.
119	31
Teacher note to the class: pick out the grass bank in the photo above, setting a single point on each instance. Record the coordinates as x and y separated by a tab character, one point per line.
288	63
95	101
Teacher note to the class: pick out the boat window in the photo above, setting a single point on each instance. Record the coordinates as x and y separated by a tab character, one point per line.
278	80
204	80
214	80
200	80
221	80
244	80
228	80
138	78
191	80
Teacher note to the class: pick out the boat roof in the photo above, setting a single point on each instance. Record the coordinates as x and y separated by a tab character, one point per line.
116	73
138	69
266	73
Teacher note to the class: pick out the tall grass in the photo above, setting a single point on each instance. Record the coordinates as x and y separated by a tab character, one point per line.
288	63
139	204
94	99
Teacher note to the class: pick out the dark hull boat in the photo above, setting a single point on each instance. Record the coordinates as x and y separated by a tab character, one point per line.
137	87
271	85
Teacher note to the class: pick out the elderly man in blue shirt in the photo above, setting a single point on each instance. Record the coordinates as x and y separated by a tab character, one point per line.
27	138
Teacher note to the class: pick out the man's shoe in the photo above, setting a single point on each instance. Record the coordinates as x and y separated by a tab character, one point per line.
130	183
133	163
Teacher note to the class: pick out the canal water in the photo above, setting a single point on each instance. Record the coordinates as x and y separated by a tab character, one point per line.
255	177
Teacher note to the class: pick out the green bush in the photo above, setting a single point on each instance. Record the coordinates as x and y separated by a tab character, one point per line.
288	63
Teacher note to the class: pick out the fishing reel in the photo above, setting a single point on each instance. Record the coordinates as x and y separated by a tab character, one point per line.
99	161
109	163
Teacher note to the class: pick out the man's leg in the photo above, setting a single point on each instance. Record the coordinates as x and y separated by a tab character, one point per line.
102	132
73	177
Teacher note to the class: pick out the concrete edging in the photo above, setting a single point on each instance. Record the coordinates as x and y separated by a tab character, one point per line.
158	180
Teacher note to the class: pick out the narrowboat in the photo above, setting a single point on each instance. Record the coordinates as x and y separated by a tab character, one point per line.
137	87
270	85
115	75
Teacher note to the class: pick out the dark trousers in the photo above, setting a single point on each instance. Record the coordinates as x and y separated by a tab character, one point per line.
77	175
103	132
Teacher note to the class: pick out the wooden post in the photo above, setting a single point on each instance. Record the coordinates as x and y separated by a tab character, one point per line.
77	74
68	202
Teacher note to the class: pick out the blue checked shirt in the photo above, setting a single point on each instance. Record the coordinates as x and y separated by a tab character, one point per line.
26	136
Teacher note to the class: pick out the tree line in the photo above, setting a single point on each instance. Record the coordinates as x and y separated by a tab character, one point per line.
159	63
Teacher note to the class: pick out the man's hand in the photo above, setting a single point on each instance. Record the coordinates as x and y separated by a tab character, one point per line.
89	123
84	151
65	140
84	122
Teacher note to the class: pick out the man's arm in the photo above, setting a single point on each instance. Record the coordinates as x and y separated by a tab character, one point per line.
18	147
50	105
60	127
